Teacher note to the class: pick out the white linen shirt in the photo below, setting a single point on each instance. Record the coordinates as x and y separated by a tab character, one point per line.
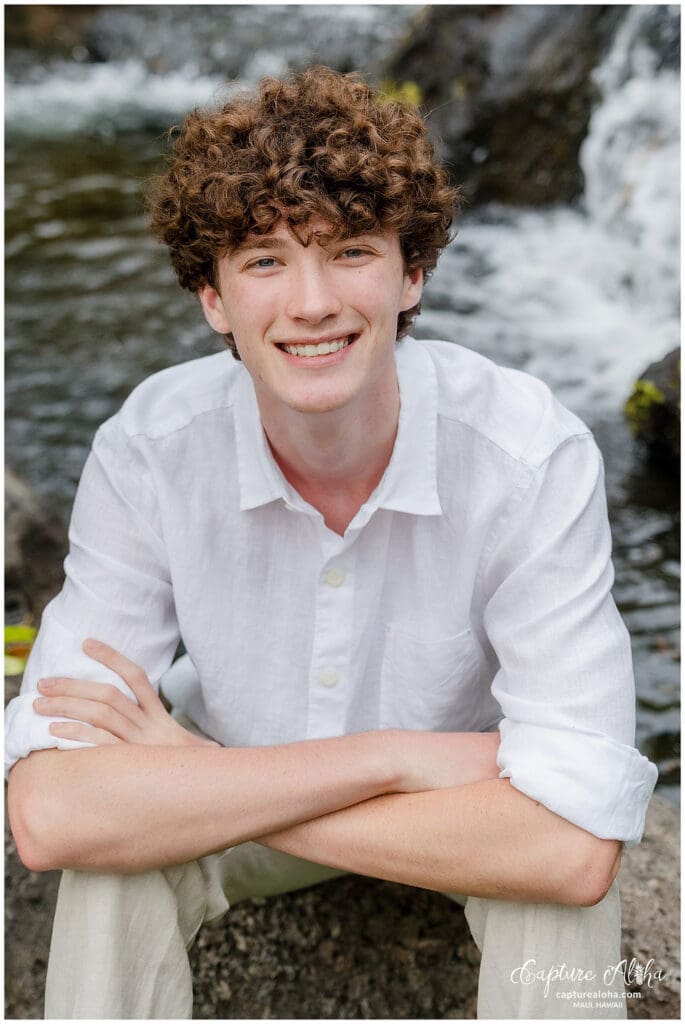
470	592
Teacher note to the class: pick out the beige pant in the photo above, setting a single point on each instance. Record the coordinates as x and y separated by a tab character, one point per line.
119	941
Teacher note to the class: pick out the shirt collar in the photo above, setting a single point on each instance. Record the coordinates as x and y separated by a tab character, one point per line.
259	476
409	483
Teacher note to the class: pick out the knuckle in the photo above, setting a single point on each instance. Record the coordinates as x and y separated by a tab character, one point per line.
109	693
108	716
67	730
139	676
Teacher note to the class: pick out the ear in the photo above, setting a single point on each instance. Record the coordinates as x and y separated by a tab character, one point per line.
213	308
412	288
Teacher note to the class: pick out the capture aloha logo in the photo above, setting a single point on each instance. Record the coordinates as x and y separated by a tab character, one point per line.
529	973
591	993
634	973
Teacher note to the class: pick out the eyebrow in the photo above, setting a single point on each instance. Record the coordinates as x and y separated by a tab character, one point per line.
269	242
260	242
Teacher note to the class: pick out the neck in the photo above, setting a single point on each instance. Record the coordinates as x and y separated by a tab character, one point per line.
335	460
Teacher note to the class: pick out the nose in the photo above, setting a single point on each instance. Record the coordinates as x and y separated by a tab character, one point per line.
313	295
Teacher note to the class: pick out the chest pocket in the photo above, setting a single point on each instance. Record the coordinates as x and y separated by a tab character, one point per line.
430	684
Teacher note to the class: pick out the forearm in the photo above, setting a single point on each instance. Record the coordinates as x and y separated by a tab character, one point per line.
129	808
482	839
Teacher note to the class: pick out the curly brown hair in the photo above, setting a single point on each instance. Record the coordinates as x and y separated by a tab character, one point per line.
317	144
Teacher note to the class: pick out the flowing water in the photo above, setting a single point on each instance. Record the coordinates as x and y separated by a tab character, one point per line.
583	296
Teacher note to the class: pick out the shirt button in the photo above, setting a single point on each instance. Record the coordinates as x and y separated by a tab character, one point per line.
329	677
334	577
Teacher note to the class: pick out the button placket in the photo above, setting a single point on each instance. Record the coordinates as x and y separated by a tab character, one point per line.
329	667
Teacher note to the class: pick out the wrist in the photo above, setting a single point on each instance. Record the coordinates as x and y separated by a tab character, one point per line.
373	758
488	745
200	741
193	739
391	745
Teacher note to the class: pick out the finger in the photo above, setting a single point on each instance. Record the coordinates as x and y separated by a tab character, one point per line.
133	675
105	693
79	731
91	712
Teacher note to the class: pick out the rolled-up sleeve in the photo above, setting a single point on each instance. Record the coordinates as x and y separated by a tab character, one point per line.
565	682
117	589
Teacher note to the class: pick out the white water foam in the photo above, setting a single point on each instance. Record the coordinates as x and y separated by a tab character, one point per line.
162	61
631	162
534	289
99	97
584	297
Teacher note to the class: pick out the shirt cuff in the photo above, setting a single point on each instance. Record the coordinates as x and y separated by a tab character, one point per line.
26	730
585	777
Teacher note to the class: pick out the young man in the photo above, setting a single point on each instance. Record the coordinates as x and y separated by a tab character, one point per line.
377	555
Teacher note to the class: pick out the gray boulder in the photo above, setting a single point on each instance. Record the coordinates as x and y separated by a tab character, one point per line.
35	548
510	92
653	410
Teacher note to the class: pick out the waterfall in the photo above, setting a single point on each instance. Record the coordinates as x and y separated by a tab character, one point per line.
631	161
585	296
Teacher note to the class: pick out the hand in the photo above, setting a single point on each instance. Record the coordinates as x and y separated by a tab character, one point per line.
103	714
440	760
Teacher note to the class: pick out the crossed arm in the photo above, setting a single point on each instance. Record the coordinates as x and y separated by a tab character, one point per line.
425	809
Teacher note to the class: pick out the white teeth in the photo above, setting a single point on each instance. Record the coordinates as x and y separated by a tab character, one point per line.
324	348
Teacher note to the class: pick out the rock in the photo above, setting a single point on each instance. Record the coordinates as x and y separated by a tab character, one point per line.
509	91
650	894
50	28
400	953
653	410
35	548
29	908
661	33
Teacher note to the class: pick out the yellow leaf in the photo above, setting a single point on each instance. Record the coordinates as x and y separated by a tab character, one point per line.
14	666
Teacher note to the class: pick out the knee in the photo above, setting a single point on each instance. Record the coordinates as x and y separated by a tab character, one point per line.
176	896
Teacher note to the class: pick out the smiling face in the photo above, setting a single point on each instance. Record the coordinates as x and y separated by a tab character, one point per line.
314	324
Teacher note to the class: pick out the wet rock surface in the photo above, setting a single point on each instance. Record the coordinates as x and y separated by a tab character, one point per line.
510	93
50	28
35	548
653	410
359	948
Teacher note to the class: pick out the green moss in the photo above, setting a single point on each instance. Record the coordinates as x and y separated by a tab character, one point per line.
406	93
639	406
18	642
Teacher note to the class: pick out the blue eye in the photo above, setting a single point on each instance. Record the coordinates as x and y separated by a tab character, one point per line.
266	262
